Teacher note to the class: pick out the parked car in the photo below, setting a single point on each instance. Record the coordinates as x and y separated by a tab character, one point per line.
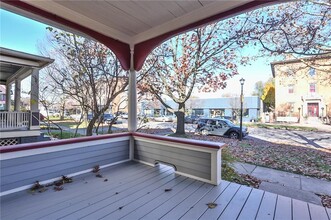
164	118
193	119
107	117
104	118
221	127
124	116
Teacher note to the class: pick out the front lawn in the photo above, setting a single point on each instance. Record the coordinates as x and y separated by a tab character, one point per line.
294	159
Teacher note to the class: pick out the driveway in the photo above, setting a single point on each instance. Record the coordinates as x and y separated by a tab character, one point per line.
314	139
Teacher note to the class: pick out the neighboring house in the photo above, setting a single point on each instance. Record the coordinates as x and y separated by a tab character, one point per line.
302	88
214	107
17	124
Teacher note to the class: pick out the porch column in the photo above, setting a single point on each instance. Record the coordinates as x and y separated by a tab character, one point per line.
17	100
8	97
34	96
132	99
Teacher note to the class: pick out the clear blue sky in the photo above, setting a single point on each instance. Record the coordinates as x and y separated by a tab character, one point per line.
20	33
23	34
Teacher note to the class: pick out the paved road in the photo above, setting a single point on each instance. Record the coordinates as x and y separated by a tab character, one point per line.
320	140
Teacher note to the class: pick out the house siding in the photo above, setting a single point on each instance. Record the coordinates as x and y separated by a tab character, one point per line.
192	162
22	171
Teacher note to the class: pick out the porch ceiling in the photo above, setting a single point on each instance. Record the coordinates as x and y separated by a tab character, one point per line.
17	65
140	24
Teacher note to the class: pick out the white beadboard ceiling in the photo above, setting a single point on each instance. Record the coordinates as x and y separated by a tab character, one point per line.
131	21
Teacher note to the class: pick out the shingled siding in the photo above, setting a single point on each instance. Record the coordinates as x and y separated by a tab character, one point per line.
188	161
52	162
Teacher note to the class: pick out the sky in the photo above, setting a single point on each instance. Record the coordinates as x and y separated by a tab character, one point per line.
23	34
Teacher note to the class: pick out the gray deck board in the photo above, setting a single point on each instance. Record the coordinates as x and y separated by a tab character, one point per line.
283	208
222	202
200	207
300	210
148	206
318	212
234	207
137	191
252	205
91	204
267	207
189	202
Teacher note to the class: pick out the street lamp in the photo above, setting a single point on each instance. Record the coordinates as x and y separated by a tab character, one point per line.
299	114
242	80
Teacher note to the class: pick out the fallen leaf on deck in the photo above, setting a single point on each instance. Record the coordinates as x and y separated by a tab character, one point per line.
58	188
96	169
211	205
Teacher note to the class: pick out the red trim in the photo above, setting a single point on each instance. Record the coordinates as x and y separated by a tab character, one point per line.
143	49
30	146
122	50
37	145
206	144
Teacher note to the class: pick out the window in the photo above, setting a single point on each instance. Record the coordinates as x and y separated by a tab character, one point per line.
312	87
290	88
312	72
245	112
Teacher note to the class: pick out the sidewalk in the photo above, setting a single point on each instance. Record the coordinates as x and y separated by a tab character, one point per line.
287	184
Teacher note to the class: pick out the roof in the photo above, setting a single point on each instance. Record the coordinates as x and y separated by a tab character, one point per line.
18	65
221	103
131	26
298	60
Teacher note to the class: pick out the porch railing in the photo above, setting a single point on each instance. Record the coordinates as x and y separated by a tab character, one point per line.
18	120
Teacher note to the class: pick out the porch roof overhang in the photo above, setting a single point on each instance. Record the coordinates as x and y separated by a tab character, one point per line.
18	65
131	26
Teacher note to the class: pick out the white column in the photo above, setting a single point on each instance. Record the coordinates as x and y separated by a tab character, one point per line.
34	96
132	99
8	97
17	100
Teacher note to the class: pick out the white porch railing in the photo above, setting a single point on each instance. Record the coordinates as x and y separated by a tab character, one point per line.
15	120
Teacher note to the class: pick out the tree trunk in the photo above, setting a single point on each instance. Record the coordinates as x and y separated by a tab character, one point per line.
180	130
89	129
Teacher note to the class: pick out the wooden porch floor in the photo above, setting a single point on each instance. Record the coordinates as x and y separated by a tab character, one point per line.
136	191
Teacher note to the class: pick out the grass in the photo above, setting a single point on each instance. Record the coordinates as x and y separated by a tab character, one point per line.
284	127
229	174
65	135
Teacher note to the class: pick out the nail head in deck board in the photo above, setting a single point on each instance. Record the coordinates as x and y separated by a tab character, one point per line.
317	212
222	201
267	207
190	201
283	208
233	209
200	207
300	210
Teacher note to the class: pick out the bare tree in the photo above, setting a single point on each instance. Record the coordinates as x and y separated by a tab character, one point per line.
87	72
204	58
